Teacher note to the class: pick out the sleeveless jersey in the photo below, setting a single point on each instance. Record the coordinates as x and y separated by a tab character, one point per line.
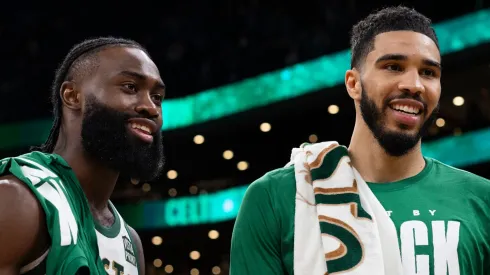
79	245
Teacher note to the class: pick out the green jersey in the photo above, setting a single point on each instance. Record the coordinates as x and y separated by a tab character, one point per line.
442	217
79	245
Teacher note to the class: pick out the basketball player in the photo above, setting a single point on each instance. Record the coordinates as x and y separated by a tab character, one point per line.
55	213
441	214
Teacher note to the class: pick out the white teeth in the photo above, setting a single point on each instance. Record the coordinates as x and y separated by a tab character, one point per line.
406	109
141	127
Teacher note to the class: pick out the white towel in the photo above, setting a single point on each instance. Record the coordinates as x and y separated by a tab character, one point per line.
361	237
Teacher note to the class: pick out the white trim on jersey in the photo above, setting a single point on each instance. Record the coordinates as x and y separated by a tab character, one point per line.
30	266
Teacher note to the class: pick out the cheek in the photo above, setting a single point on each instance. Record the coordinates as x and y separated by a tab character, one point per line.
117	99
380	93
433	96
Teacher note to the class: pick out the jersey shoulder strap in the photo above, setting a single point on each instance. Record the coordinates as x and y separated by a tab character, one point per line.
68	218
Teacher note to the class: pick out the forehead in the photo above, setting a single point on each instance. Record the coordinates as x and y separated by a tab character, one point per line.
117	59
409	43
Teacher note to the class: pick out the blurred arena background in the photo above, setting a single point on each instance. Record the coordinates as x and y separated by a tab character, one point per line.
247	81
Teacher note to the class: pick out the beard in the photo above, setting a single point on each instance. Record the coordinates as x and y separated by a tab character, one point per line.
106	138
394	143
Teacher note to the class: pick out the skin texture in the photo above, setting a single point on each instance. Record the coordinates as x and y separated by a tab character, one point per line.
21	216
416	74
127	81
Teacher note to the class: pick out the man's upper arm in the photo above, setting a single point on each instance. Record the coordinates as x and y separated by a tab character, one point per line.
20	220
139	247
256	239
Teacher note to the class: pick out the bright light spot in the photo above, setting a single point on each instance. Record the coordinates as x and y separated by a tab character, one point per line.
198	139
228	154
157	263
169	268
172	174
146	187
172	192
242	165
157	240
216	270
194	271
213	234
458	101
195	255
228	205
265	127
313	138
440	122
333	109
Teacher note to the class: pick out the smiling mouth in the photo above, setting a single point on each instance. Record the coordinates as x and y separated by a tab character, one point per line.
145	129
411	110
143	132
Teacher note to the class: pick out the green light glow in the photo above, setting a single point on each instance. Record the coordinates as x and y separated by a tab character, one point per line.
221	206
324	72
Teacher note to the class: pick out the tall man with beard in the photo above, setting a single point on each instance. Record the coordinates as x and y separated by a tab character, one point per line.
55	212
441	214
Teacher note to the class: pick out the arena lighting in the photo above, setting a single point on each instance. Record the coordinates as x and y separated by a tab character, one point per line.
299	79
172	174
193	189
228	154
146	187
195	255
458	101
242	165
157	240
454	35
213	234
172	192
199	139
157	263
333	109
265	127
169	269
458	151
440	122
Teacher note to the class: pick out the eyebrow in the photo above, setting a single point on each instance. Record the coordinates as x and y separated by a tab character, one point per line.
401	57
159	84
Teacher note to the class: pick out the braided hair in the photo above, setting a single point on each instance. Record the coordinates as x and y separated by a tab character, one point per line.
80	61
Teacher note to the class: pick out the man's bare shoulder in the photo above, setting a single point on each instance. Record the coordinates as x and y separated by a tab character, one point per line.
22	220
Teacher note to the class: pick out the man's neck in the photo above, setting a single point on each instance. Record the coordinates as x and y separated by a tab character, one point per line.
96	180
375	165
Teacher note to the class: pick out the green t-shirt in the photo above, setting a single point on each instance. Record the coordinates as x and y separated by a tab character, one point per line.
442	216
79	245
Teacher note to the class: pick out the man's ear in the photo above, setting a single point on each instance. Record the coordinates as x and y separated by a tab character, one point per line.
353	84
70	96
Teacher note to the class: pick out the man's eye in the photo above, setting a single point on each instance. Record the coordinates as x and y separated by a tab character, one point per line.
393	67
130	86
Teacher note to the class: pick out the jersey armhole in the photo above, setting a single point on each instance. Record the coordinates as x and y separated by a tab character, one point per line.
74	265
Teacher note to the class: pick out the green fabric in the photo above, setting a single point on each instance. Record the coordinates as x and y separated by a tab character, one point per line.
442	216
68	217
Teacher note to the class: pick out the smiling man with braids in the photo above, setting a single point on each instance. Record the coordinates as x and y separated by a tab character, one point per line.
55	213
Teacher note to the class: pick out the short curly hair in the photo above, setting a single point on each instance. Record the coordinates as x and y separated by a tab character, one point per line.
399	18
